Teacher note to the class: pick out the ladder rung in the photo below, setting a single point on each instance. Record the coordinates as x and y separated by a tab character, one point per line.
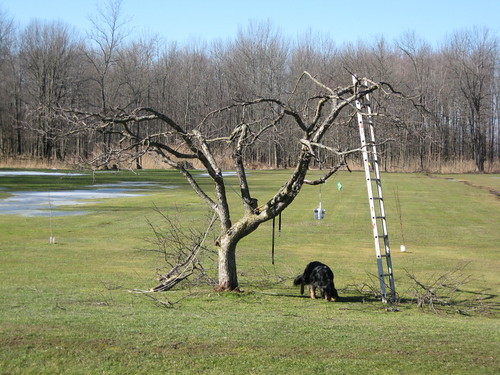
377	198
380	217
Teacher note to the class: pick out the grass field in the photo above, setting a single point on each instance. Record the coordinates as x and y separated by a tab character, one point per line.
65	308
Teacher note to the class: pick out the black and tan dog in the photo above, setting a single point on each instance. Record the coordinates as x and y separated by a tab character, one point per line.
318	275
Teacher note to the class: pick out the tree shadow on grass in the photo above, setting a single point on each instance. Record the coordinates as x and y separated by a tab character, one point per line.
341	299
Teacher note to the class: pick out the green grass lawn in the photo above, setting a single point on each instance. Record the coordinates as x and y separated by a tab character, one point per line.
65	308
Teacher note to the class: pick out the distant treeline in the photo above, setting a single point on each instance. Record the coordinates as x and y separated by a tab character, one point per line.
446	114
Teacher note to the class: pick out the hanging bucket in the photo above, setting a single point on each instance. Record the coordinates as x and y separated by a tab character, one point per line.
319	213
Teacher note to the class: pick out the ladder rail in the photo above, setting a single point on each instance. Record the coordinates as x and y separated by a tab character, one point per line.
376	168
371	164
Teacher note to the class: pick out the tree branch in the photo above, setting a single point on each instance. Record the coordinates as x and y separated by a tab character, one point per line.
189	177
238	154
330	173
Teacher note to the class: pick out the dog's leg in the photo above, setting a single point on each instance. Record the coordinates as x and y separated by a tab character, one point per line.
312	291
302	288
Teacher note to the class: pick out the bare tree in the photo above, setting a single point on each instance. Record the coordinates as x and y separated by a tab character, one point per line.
256	65
134	74
472	60
106	35
48	52
418	77
10	136
315	116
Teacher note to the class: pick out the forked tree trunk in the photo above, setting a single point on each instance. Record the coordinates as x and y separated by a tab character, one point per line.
228	275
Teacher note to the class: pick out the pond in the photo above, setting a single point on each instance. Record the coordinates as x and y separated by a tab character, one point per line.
47	203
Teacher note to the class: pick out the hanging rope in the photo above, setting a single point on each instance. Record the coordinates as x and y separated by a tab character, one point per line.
272	242
274	235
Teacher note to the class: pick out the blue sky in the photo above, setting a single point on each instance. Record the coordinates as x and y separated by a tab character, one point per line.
342	20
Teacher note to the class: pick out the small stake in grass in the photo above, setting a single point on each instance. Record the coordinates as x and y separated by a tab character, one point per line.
319	213
398	208
52	238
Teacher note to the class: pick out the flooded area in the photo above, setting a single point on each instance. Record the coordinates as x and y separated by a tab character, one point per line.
49	203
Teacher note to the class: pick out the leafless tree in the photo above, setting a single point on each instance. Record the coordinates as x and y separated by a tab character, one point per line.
48	52
256	65
473	59
314	117
134	74
107	35
9	133
419	76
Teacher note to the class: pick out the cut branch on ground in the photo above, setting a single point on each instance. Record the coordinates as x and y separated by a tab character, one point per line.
182	250
450	293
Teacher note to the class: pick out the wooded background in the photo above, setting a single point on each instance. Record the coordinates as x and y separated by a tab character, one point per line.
448	119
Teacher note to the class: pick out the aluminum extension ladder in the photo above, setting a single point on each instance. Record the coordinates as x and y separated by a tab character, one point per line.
375	197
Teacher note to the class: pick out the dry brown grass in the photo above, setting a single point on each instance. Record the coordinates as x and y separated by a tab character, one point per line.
454	166
153	161
32	163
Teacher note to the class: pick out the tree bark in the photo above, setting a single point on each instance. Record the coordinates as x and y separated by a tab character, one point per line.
228	276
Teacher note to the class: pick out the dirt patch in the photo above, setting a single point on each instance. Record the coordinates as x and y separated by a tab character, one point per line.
496	193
